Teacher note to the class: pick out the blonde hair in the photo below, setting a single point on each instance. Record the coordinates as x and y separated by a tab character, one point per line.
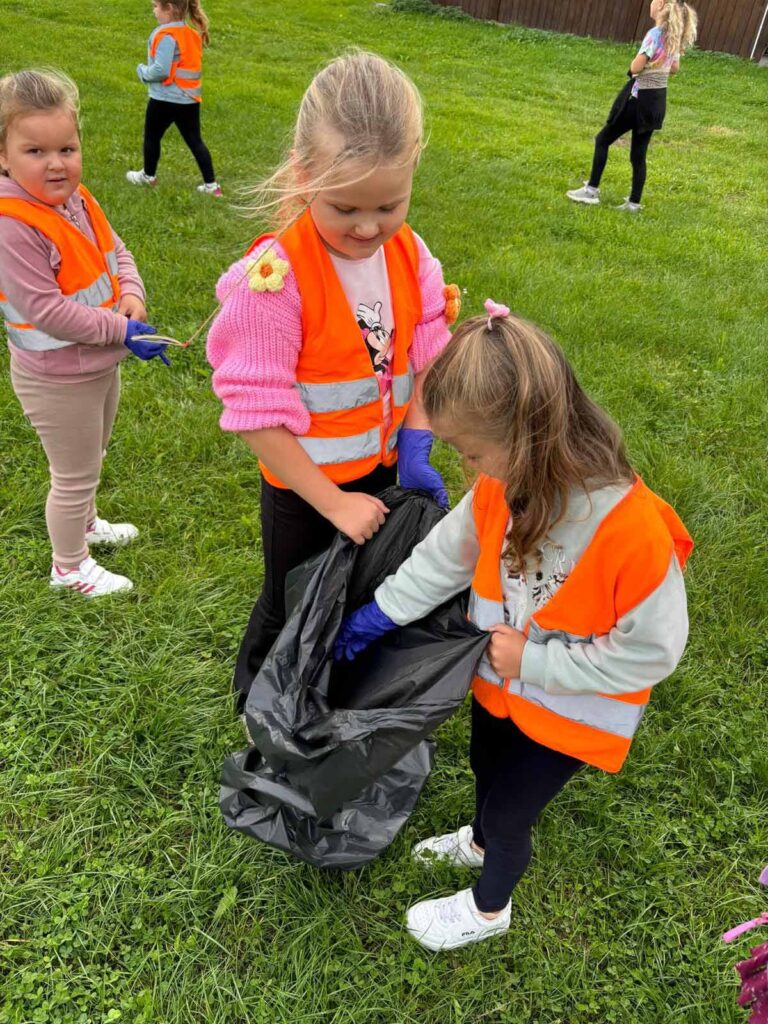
370	105
679	22
512	385
191	10
34	91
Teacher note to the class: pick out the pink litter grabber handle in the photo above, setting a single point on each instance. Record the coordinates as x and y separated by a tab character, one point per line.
734	933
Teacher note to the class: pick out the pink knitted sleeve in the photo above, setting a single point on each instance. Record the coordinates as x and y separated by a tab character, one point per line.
253	346
431	335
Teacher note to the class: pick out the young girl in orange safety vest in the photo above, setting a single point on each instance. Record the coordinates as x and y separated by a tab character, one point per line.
327	326
72	301
173	73
576	570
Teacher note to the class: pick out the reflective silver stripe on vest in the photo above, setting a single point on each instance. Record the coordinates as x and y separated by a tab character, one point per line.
402	387
392	441
484	613
190	75
339	396
112	262
326	451
614	716
11	313
34	341
540	636
95	294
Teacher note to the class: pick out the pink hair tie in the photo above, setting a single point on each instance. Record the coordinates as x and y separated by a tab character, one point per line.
495	312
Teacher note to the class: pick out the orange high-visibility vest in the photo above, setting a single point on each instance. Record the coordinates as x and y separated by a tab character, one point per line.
334	375
609	579
187	71
88	272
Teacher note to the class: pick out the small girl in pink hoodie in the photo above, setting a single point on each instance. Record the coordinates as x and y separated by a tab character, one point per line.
73	301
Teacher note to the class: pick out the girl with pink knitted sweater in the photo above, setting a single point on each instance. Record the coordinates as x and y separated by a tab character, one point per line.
327	326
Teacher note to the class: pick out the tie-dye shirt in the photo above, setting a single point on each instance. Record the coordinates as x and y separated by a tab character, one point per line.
659	63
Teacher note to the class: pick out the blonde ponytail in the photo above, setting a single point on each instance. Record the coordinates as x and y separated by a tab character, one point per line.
679	22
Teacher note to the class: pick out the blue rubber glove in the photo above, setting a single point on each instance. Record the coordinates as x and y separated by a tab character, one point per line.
145	349
413	448
360	629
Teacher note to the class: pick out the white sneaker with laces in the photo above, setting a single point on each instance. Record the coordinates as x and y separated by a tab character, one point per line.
453	921
629	206
115	534
454	847
89	579
211	189
586	194
140	178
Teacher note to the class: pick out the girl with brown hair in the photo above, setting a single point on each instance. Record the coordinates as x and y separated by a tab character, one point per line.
574	568
173	74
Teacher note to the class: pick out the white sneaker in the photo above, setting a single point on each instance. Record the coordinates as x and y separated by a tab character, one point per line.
90	579
140	178
455	848
630	206
116	534
453	921
212	189
586	194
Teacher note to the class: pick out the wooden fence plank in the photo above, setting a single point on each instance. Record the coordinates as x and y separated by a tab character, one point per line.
728	25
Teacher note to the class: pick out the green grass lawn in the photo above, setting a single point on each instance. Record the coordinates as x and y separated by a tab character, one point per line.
122	895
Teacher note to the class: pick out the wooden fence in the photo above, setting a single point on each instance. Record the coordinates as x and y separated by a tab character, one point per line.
731	26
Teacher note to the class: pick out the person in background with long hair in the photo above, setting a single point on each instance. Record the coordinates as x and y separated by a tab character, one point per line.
641	105
173	73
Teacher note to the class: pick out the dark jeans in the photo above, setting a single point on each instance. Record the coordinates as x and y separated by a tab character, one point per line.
515	779
625	122
291	532
186	116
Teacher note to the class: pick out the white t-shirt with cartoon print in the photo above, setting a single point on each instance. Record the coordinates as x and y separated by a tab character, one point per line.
366	286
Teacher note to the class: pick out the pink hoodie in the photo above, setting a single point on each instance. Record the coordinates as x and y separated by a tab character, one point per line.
28	264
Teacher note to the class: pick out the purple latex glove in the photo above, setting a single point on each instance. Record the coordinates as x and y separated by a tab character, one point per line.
413	448
360	629
144	349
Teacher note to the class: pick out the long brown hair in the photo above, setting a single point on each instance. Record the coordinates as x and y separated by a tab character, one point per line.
192	10
512	385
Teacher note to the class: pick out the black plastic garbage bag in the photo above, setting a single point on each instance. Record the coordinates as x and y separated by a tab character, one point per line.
340	750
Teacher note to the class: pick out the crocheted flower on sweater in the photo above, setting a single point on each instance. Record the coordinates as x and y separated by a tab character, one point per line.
452	296
267	273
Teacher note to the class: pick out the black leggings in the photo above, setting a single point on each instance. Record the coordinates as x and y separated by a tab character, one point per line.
515	778
291	532
625	122
186	116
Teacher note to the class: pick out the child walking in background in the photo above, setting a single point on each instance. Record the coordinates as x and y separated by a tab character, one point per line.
575	569
641	105
72	300
327	326
173	72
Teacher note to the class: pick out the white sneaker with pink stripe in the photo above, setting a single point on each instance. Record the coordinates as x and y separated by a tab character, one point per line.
115	534
89	579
